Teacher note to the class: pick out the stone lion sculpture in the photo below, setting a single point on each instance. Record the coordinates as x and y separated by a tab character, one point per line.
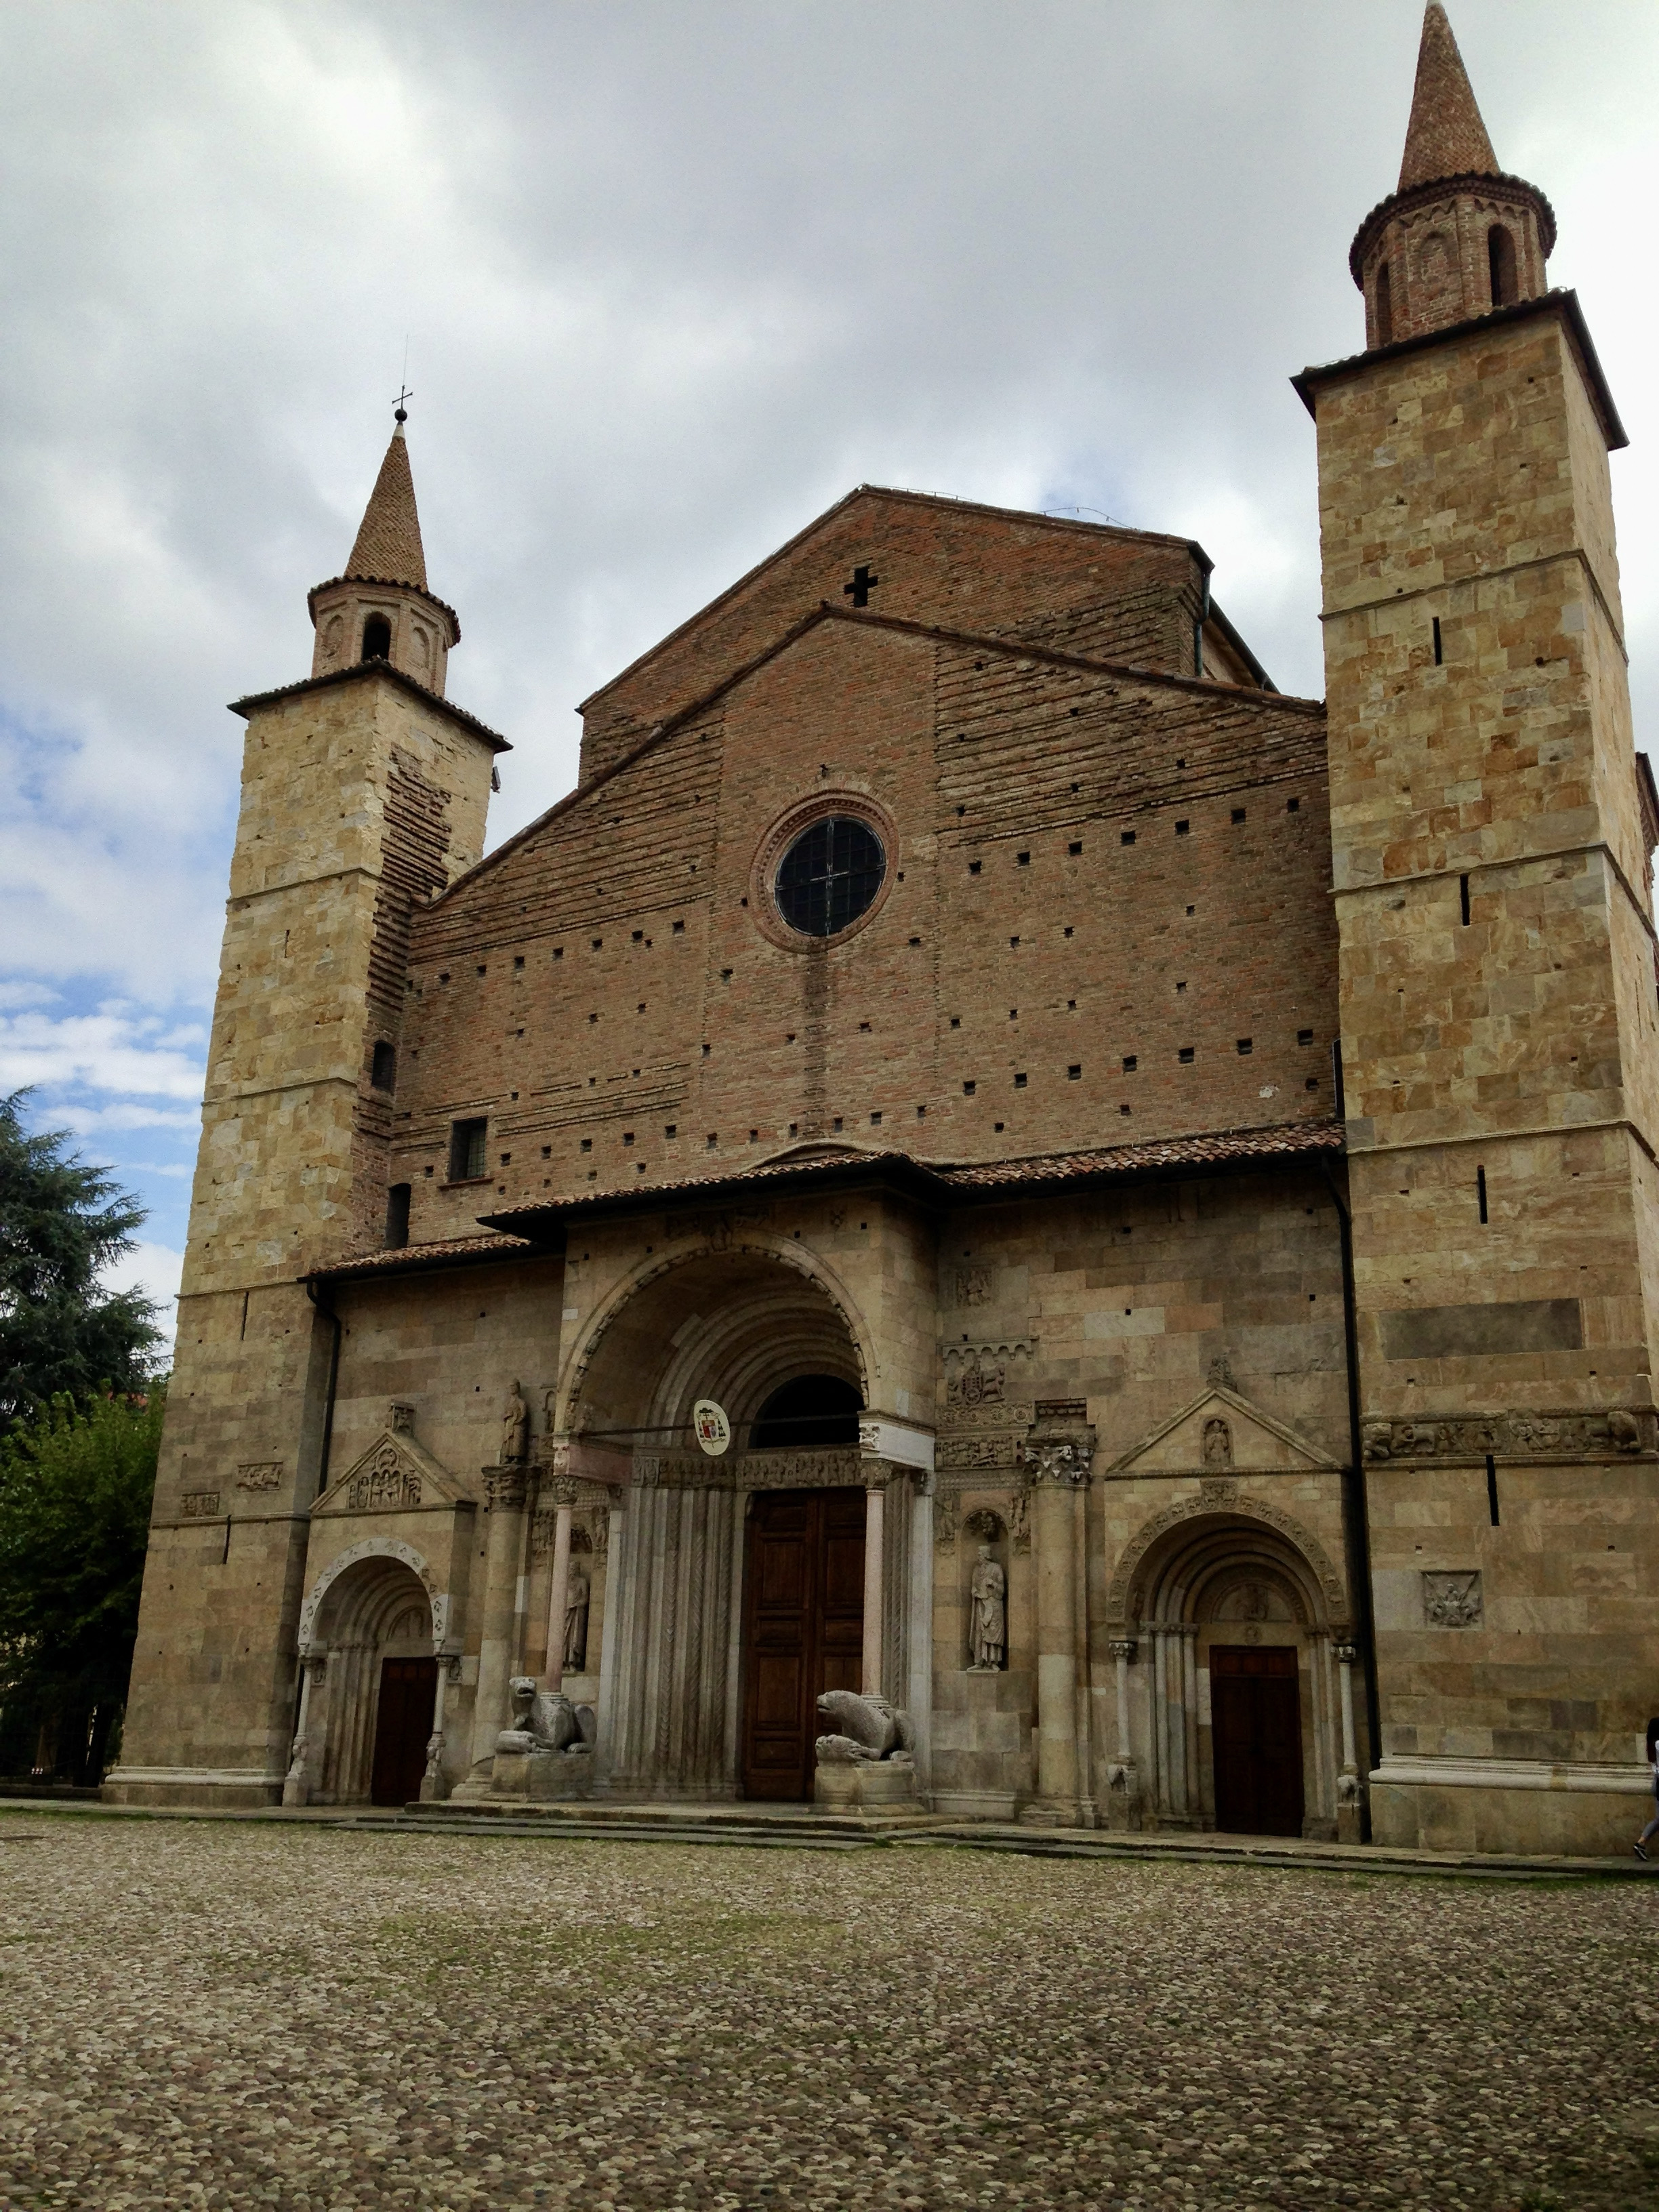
865	1728
543	1720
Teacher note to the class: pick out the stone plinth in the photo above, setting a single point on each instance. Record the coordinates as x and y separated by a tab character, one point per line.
539	1775
864	1784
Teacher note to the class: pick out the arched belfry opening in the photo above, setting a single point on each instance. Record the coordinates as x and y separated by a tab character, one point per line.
1500	263
377	638
1384	306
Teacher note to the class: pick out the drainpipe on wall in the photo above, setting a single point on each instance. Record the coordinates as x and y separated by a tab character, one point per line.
1356	1518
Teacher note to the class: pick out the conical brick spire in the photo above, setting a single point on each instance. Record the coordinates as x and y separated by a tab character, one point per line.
388	546
1445	136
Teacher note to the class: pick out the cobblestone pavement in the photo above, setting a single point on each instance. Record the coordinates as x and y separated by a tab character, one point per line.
201	2015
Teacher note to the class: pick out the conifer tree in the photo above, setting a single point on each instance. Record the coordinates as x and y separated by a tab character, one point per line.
61	1221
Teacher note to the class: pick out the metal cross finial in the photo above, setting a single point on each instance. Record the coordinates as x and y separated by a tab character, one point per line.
400	413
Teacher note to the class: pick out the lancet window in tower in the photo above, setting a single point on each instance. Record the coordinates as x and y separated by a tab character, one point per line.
377	638
1500	261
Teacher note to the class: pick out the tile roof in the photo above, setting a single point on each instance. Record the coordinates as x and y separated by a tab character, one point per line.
388	548
1445	136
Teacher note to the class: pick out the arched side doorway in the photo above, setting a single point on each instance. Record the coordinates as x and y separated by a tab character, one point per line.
731	1588
1239	1716
374	1688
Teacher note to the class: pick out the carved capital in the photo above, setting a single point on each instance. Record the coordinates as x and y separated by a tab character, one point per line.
1062	1461
505	1486
1347	1655
562	1490
1123	1648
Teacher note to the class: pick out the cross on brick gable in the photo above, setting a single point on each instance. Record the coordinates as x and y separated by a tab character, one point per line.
864	582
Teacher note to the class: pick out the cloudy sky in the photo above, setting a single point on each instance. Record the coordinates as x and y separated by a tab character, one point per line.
672	278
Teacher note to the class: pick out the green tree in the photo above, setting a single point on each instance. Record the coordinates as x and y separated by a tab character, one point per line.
61	1223
75	1484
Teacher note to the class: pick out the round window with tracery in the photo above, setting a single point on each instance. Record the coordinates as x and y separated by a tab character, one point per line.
829	875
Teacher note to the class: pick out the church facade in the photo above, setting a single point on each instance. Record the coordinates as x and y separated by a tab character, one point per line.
983	1165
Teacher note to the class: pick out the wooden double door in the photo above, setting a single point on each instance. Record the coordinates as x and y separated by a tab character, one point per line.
1255	1714
803	1629
402	1723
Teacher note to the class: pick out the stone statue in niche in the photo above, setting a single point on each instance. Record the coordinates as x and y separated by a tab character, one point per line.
576	1596
515	1428
988	1615
1218	1442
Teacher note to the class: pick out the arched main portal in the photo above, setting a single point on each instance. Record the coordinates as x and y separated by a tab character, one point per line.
373	1685
737	1580
1241	1718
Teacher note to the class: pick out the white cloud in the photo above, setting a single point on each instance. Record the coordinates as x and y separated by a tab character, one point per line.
114	1051
154	1269
673	279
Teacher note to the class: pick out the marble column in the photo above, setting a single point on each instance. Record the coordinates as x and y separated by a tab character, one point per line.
506	1489
875	1587
1120	1774
1059	1469
432	1782
1350	1788
919	1697
564	1493
296	1788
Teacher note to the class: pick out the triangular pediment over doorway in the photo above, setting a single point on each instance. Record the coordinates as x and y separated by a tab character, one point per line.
392	1475
1219	1431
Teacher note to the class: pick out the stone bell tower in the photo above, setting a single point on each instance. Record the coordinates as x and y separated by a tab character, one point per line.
363	793
1492	826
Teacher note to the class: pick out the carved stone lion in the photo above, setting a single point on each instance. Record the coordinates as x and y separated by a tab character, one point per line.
868	1728
544	1721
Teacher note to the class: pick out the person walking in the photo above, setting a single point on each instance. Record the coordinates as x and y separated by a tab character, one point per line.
1640	1846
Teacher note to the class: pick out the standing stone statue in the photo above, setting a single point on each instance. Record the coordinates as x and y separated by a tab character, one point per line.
576	1592
988	1618
515	1428
1218	1442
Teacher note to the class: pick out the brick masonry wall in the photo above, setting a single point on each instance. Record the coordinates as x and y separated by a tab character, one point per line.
939	561
609	980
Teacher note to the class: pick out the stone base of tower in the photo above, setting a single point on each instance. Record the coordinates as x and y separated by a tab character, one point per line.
1511	1807
218	1790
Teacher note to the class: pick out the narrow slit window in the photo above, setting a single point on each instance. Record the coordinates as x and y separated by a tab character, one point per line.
1439	644
396	1217
1463	898
468	1149
1491	1488
1384	306
1480	1191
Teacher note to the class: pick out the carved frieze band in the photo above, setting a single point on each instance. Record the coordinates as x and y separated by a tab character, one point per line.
1617	1433
779	1470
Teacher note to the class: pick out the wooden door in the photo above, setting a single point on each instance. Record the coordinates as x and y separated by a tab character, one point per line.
803	1629
402	1725
1256	1710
